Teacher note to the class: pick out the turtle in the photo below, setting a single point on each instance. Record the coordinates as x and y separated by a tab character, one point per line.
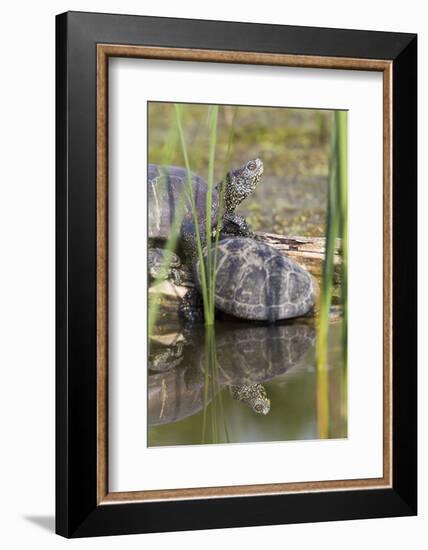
166	264
168	188
246	357
253	280
169	201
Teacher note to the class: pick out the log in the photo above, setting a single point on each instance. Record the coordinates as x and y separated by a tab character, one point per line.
309	252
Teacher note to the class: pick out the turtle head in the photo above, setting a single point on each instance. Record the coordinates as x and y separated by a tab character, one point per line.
240	183
254	395
261	405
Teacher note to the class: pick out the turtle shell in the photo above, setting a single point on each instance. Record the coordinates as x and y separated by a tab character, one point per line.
158	257
255	281
167	186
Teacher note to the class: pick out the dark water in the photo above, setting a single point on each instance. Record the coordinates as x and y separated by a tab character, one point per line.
191	399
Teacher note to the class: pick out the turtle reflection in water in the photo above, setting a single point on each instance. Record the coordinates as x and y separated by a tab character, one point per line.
245	358
165	357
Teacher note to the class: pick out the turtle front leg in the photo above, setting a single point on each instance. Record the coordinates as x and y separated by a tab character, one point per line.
236	226
190	308
182	276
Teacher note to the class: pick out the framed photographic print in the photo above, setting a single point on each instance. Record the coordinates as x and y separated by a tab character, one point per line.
236	274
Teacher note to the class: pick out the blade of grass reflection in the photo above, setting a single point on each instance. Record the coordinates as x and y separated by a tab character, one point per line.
323	408
208	382
206	393
215	378
209	343
214	419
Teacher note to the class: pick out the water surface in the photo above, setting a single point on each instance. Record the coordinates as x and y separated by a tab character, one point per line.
191	401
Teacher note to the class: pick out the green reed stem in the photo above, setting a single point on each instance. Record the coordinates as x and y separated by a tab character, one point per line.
332	231
209	198
342	158
337	226
221	196
190	190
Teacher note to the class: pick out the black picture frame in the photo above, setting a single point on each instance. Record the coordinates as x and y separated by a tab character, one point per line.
77	511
